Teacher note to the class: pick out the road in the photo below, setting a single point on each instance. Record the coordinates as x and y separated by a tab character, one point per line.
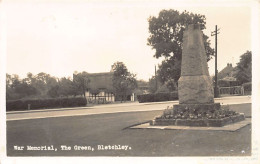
91	130
112	108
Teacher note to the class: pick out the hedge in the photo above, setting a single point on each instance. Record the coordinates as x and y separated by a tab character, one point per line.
157	97
16	105
247	86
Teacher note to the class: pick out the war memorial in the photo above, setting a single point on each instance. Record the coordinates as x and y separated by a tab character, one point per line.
195	91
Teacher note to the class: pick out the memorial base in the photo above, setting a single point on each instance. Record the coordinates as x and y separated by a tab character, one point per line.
211	115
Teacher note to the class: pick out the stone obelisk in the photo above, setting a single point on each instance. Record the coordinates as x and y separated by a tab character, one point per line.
195	84
195	88
196	98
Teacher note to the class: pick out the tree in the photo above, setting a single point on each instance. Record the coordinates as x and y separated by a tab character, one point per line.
81	81
30	79
11	82
244	68
41	85
16	88
54	91
42	81
124	82
8	80
14	80
66	87
24	90
169	73
152	85
166	37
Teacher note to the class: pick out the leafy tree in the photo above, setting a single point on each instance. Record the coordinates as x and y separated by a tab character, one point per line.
30	79
54	91
124	82
66	87
152	85
166	37
33	85
169	73
14	81
81	81
16	88
163	89
8	80
24	90
42	81
244	68
11	82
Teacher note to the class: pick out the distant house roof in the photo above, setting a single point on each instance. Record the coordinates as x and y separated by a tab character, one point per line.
228	71
142	84
101	80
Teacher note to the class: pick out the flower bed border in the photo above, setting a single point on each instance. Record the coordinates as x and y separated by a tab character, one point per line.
198	122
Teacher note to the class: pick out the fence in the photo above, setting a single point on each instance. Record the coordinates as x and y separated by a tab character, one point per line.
235	90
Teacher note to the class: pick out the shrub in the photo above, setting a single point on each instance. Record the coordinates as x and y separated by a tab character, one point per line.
192	113
157	97
15	105
247	86
223	83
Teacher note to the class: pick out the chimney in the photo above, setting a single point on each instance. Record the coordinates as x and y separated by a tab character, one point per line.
229	65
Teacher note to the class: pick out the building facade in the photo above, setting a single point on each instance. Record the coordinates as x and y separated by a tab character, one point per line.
100	87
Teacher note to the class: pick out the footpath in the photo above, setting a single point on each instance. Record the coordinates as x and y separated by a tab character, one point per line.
222	100
111	108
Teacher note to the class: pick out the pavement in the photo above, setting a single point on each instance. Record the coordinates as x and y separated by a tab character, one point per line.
111	108
111	130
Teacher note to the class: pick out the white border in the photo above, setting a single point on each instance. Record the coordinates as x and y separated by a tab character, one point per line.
255	98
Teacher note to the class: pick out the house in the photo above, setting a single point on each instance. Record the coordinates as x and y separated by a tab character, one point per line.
143	87
228	71
100	87
227	82
226	77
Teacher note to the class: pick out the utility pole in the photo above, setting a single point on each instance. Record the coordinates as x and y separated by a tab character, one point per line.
155	78
215	33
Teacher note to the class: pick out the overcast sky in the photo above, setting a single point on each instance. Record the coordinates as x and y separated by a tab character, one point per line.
62	37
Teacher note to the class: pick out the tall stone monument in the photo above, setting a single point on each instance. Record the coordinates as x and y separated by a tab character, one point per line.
195	84
195	88
196	98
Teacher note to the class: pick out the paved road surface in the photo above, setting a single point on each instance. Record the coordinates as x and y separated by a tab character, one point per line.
111	129
112	108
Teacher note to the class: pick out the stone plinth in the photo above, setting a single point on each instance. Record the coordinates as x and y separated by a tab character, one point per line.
195	90
195	84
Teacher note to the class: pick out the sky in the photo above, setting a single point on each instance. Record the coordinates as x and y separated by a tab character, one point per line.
60	37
